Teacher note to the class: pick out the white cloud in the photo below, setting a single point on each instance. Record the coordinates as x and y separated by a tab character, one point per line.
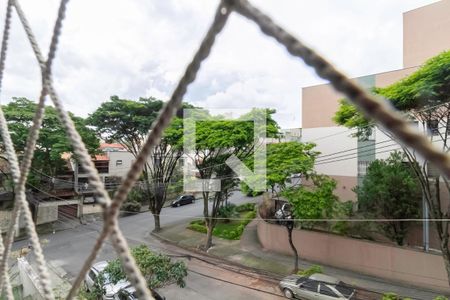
140	48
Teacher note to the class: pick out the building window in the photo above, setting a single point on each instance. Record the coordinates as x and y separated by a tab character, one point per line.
119	162
433	127
362	167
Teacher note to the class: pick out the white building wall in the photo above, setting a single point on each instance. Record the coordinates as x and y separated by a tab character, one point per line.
330	140
119	163
384	145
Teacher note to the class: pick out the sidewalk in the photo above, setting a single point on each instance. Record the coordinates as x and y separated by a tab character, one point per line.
249	253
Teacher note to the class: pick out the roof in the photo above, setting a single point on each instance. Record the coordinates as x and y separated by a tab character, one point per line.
324	278
113	145
101	157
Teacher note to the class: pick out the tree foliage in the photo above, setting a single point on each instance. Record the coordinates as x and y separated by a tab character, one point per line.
313	202
217	140
128	123
428	86
158	269
52	141
390	190
285	159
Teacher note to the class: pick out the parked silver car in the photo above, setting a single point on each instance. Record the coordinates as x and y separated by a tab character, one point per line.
316	286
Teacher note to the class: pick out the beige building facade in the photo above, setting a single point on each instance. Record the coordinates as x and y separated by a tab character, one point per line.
426	32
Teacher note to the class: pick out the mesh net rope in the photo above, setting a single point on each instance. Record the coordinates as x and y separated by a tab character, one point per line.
372	106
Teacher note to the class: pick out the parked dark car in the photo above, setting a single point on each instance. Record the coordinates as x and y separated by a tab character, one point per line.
182	200
129	293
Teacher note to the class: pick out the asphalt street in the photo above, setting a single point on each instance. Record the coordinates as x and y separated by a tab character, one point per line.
68	249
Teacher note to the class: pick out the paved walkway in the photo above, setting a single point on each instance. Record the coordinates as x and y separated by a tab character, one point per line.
248	252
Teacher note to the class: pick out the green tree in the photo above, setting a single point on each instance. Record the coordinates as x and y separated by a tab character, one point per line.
52	141
286	159
158	269
216	141
312	202
128	122
390	190
424	97
309	202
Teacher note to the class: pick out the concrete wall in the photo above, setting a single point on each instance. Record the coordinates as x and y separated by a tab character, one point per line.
91	209
389	262
425	32
46	214
344	187
5	220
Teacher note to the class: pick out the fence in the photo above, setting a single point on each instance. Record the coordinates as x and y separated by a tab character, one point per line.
389	262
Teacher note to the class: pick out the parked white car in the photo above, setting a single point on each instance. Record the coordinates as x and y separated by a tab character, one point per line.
122	290
110	289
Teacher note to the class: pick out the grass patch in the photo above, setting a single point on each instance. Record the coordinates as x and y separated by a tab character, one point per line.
229	229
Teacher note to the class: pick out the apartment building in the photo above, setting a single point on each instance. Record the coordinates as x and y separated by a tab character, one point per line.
426	32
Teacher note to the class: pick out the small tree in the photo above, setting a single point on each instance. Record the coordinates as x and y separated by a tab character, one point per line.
216	141
390	191
310	203
313	202
286	159
158	269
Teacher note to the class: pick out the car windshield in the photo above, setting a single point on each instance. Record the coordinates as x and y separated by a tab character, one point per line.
344	289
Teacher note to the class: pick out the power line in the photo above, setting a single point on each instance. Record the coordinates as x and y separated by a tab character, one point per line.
369	125
375	152
367	152
366	146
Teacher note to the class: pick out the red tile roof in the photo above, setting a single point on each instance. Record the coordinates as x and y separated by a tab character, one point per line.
114	145
101	157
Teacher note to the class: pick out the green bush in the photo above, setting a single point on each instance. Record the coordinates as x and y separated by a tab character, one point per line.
137	195
197	227
227	212
245	207
341	227
131	206
440	298
314	269
229	231
198	222
390	296
248	217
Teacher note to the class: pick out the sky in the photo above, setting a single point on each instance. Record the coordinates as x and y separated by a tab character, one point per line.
140	48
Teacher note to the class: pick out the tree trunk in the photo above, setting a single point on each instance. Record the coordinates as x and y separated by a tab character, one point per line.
446	257
209	231
289	229
157	222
